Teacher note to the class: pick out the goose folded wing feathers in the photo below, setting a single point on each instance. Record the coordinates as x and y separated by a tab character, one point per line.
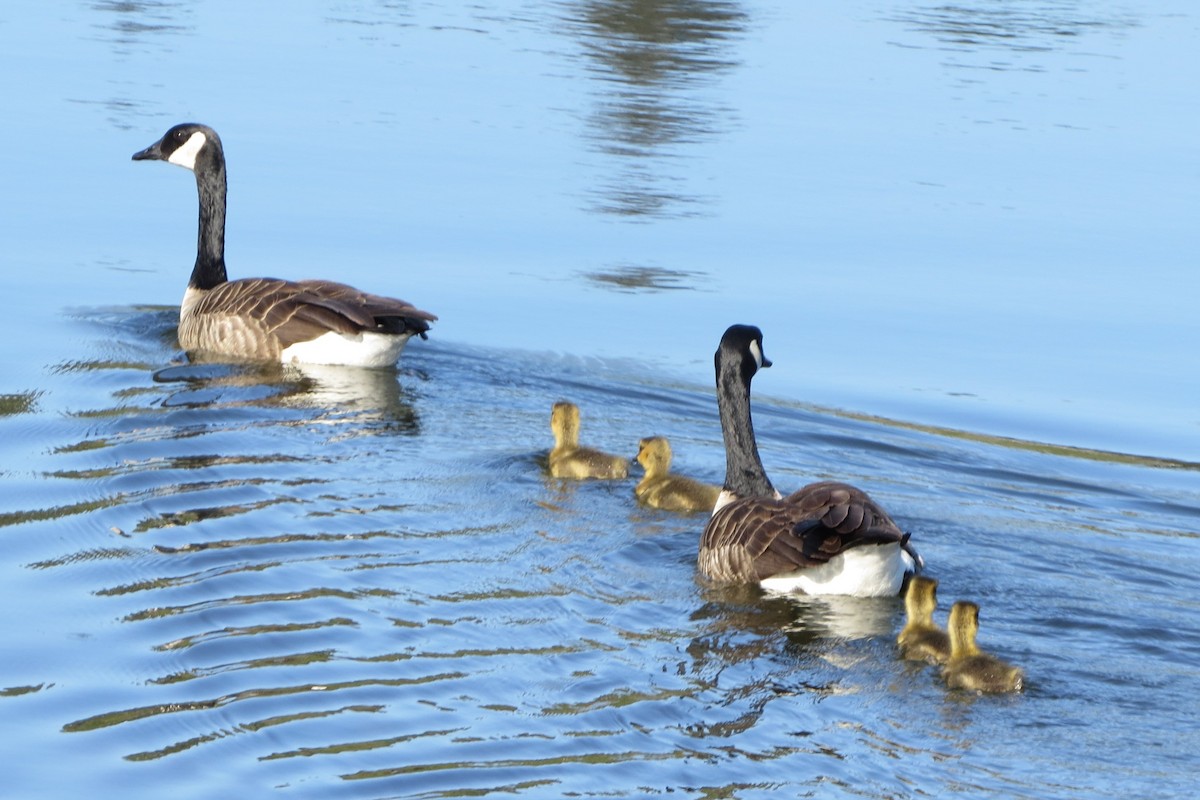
761	537
805	529
299	311
369	311
281	307
836	517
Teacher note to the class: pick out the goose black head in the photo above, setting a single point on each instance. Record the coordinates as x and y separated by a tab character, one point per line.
185	145
743	342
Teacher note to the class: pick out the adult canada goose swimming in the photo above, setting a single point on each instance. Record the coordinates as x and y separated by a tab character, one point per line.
921	639
569	460
826	538
660	489
969	667
266	319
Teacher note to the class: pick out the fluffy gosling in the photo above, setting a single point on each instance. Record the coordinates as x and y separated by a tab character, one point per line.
569	460
921	639
659	489
969	667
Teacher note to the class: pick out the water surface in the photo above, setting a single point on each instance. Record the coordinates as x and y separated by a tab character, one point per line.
967	232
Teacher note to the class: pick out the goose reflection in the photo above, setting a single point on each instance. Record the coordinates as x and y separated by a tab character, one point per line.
1017	28
648	59
741	623
372	398
130	28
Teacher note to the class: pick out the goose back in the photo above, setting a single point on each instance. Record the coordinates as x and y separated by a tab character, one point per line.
266	318
756	538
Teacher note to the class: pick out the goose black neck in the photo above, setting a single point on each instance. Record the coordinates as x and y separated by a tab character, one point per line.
744	473
210	243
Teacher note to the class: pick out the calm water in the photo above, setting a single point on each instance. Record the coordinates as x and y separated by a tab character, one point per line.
968	232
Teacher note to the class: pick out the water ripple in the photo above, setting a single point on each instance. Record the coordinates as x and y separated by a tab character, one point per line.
430	615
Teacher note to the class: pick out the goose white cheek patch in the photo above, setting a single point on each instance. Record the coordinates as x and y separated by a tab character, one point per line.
185	155
756	351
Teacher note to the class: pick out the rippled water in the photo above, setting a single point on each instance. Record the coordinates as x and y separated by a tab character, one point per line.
243	581
229	580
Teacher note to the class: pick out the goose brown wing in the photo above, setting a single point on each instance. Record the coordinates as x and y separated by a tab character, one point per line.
837	516
371	311
298	311
756	538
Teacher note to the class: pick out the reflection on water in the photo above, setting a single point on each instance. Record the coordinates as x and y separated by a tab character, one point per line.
360	582
651	65
371	399
132	28
18	403
132	25
1029	26
643	279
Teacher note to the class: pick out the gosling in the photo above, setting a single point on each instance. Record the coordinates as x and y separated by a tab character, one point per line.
921	639
659	489
969	667
569	460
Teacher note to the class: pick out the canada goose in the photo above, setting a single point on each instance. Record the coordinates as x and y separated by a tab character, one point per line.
266	319
569	460
969	667
921	639
660	489
826	538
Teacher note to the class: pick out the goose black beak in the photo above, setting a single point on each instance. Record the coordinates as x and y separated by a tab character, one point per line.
151	153
765	363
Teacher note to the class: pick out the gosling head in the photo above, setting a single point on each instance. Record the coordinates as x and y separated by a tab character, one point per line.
921	598
564	422
963	628
654	454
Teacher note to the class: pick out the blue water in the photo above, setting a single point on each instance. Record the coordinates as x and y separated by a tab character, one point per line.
967	232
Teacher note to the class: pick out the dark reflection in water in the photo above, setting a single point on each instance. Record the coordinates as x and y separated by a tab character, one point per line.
1028	26
18	403
132	28
133	25
651	64
643	279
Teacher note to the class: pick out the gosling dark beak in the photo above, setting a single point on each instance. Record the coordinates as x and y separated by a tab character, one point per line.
151	153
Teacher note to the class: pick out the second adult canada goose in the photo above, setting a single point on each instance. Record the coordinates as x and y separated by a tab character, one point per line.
660	489
267	319
569	460
921	639
826	538
969	667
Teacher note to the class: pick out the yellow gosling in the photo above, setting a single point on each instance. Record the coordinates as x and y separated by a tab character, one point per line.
659	489
569	460
921	639
969	667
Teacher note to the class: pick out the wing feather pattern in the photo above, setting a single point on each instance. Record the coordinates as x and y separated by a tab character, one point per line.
298	311
757	537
